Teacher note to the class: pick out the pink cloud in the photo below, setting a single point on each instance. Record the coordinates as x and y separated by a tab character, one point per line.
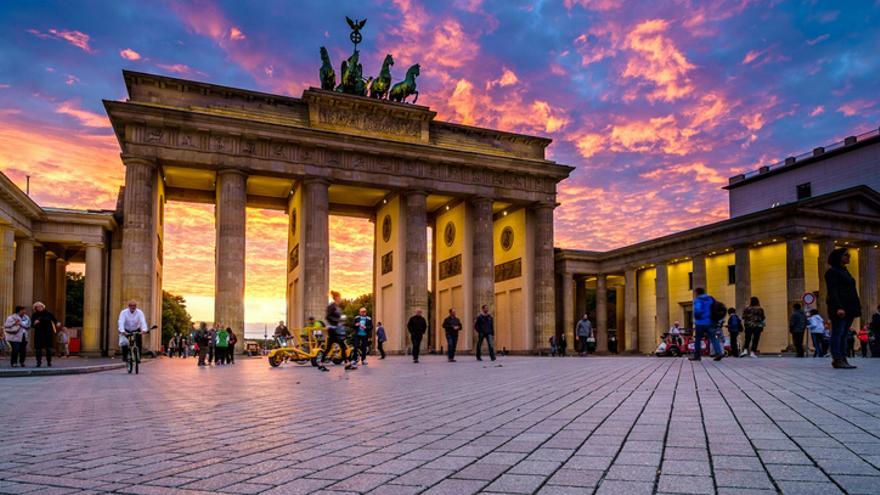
855	107
657	60
71	80
818	39
129	54
84	117
75	38
179	69
751	56
599	5
819	110
235	34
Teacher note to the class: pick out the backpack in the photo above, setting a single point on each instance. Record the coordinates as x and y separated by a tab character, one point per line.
717	311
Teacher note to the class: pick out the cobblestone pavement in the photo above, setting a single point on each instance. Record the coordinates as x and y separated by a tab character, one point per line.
533	425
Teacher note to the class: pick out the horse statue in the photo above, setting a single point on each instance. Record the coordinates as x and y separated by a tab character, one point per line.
352	76
328	76
400	91
379	87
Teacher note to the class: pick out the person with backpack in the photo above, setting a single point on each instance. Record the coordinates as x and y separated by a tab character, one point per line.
363	326
754	321
707	314
816	324
797	323
734	327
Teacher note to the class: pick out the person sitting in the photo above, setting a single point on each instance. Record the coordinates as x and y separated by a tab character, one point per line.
675	333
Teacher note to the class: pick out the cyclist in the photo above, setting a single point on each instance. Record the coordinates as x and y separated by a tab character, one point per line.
131	320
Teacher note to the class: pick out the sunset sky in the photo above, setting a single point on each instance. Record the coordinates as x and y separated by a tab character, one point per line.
655	103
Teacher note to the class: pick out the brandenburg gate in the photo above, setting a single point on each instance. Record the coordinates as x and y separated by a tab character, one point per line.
489	196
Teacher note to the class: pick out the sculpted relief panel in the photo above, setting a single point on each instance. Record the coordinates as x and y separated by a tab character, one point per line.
376	123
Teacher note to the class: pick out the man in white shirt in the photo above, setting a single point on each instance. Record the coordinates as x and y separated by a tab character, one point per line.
131	320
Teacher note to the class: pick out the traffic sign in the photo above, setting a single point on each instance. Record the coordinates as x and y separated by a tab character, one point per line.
809	298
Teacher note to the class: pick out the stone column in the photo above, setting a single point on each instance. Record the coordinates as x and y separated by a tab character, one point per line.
51	269
631	310
568	318
743	274
826	245
868	291
794	273
416	260
601	313
92	298
483	275
544	276
7	270
39	271
580	297
231	229
662	292
24	272
315	248
698	271
138	238
60	309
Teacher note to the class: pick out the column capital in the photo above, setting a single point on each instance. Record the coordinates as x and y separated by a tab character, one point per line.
475	200
94	245
129	159
541	205
231	171
414	192
315	180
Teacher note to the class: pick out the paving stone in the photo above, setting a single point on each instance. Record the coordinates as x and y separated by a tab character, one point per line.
423	477
516	483
535	467
782	472
631	473
575	477
613	487
859	485
696	485
808	488
456	487
481	471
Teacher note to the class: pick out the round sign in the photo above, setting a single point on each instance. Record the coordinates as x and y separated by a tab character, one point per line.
386	228
507	238
449	233
809	298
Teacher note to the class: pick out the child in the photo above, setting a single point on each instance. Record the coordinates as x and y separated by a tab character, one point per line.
816	326
863	340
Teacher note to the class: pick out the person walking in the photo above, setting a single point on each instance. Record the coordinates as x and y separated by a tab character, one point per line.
44	333
754	321
451	327
563	344
222	344
863	340
212	344
171	347
363	327
230	351
554	345
843	305
63	342
416	326
816	324
181	345
335	332
706	324
851	343
583	330
874	333
380	339
201	339
15	329
797	324
734	327
485	328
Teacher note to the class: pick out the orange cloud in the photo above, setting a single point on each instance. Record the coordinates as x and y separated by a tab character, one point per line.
235	34
129	54
75	38
658	61
179	68
84	117
751	56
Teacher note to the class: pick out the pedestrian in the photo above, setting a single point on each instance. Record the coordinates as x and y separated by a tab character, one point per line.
754	321
707	314
230	351
563	344
451	327
4	346
222	345
863	340
63	342
201	342
797	324
380	339
44	333
734	327
874	333
335	332
816	324
172	345
554	346
584	330
181	346
363	328
212	344
14	328
485	328
843	305
416	326
851	343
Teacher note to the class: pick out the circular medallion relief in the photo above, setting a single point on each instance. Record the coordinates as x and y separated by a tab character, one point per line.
293	222
449	233
386	228
506	238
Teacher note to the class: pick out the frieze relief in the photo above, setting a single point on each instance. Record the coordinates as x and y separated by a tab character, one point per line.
277	150
373	122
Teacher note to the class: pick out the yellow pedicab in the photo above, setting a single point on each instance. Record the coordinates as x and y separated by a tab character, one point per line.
300	350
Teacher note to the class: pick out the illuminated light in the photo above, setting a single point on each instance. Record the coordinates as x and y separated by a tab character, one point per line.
804	238
447	207
384	201
504	213
774	240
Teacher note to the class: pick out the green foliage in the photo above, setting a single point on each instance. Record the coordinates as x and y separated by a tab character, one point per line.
74	303
350	307
175	317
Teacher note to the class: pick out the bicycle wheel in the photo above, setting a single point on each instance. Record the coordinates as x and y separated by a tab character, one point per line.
137	359
130	362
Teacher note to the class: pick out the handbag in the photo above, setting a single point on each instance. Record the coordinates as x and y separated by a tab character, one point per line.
591	340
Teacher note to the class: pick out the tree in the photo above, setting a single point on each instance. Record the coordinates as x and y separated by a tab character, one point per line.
175	317
74	303
350	307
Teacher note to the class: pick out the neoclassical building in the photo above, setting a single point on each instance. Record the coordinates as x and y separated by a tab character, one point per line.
785	220
488	197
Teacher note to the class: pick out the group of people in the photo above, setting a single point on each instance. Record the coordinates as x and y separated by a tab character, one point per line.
583	333
45	332
835	336
214	345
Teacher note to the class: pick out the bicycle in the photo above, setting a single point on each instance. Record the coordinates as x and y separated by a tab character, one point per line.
134	352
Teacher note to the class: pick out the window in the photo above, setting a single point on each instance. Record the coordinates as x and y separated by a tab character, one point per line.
690	280
804	191
731	274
